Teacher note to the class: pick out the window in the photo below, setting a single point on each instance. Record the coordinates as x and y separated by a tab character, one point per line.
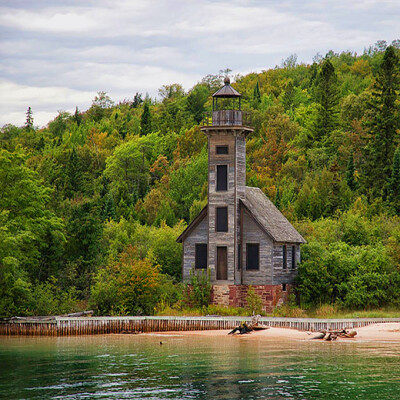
253	256
283	287
222	178
222	150
239	256
222	219
201	256
284	259
293	257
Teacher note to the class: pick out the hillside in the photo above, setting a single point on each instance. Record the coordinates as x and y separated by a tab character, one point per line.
91	205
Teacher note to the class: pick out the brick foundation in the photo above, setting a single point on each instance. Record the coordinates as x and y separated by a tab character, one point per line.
235	295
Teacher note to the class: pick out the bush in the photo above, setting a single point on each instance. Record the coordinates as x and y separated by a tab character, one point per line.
254	301
199	291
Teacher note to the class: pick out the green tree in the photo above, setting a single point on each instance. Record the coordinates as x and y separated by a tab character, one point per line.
350	171
383	125
196	101
327	97
256	96
29	119
145	122
394	183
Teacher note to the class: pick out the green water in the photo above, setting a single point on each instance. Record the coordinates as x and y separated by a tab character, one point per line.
187	367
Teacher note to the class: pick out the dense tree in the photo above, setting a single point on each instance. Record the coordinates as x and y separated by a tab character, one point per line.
145	122
383	125
327	97
394	182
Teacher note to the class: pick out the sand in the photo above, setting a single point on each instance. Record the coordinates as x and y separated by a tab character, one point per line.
378	332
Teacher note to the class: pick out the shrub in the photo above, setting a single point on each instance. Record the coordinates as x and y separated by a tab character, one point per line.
254	302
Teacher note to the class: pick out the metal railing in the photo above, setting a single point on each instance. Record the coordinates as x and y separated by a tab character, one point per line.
227	118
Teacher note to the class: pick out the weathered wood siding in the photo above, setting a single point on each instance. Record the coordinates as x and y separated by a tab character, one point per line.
253	234
221	199
66	326
198	235
287	275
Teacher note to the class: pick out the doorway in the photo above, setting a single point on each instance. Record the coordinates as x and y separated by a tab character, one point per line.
222	263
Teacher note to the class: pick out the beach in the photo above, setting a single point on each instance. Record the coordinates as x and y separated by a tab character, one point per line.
376	332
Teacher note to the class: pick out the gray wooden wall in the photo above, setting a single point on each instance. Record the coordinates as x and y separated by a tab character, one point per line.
198	235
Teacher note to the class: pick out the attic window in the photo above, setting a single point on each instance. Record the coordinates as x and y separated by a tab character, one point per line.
222	150
284	258
222	178
253	256
201	256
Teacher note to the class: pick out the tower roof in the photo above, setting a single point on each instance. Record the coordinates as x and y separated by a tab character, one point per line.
227	90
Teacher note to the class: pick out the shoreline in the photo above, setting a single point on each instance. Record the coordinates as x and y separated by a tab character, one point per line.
380	332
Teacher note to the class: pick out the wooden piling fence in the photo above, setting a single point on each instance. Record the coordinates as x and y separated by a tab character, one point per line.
66	326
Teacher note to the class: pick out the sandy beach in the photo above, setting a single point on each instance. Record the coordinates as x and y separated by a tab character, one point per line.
376	332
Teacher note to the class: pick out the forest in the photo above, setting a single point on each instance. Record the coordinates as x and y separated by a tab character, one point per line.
91	205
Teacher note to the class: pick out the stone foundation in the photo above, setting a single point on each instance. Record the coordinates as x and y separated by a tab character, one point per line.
235	295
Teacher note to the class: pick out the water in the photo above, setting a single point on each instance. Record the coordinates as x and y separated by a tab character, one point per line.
196	367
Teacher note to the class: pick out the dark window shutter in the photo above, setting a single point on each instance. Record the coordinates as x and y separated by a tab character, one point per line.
239	256
201	255
284	259
293	257
253	256
222	178
222	149
222	219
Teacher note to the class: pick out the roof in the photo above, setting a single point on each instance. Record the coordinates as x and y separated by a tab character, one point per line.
270	219
227	90
264	212
192	225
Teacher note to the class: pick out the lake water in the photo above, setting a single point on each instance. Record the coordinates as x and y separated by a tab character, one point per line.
188	367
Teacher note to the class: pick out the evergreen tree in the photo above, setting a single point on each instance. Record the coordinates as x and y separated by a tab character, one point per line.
256	95
29	119
394	183
288	96
351	183
77	116
137	100
72	184
381	140
145	123
327	97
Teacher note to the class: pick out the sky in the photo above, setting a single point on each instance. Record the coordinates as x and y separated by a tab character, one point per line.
57	54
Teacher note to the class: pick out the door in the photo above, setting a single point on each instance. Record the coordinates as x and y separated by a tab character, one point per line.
222	263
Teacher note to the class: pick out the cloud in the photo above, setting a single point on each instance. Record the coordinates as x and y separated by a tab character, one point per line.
58	54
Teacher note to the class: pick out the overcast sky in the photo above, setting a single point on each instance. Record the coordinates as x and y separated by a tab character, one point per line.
55	55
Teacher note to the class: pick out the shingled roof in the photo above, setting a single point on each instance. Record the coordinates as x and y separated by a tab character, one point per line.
264	212
269	217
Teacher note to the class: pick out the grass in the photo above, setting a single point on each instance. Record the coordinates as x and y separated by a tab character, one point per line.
286	310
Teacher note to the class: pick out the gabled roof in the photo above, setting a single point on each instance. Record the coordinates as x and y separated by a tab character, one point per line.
192	225
270	219
264	212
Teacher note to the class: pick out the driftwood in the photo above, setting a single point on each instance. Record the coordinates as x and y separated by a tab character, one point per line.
332	335
244	328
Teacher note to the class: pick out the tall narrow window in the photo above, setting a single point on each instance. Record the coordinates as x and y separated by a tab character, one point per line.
222	219
221	149
253	256
222	178
284	259
201	256
239	256
293	257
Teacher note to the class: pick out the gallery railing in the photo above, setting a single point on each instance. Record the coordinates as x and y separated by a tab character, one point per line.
227	118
